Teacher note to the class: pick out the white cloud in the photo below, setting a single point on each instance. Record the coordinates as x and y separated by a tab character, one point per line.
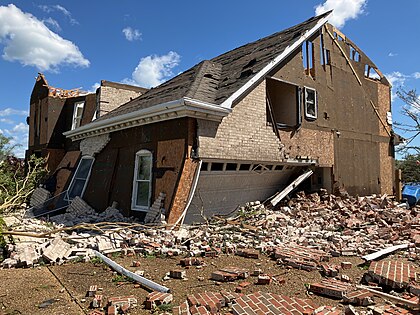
6	121
53	23
397	79
29	41
20	128
59	8
391	54
18	137
344	10
94	87
154	70
11	111
131	34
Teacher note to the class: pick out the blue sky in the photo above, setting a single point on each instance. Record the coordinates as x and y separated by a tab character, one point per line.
78	43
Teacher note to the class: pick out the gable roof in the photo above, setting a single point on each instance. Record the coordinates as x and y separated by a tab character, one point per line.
214	80
216	83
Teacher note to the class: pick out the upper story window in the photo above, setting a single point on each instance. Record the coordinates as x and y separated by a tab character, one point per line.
142	183
311	104
77	115
80	179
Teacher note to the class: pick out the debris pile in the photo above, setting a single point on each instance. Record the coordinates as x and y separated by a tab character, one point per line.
303	233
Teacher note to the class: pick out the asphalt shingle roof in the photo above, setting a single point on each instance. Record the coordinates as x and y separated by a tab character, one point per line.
214	80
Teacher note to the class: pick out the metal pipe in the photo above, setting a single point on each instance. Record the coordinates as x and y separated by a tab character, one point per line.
120	269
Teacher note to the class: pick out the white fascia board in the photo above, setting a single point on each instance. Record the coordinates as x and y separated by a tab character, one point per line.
262	73
175	109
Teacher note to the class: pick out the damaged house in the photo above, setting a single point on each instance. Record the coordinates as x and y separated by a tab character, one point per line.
240	127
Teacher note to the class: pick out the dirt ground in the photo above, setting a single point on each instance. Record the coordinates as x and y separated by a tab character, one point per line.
62	289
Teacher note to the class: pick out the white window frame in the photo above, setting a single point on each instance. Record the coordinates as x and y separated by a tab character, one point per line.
308	115
86	157
134	205
77	119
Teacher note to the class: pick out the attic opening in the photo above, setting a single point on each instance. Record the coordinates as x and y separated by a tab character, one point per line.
371	73
354	54
308	58
283	102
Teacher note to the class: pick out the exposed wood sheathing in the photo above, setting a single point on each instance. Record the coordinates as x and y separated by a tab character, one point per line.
65	169
170	154
183	190
306	142
345	118
112	173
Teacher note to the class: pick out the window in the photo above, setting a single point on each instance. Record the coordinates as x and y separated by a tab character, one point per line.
80	178
77	115
311	106
142	184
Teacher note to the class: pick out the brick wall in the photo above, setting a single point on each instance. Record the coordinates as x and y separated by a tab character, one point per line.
244	134
112	97
92	145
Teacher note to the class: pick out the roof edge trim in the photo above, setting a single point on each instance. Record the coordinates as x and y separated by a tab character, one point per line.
184	107
229	101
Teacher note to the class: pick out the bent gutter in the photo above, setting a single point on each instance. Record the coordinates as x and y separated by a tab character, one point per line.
184	107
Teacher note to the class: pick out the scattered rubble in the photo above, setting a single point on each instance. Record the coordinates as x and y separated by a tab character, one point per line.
302	233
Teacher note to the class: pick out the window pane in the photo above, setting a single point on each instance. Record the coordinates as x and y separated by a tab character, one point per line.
76	188
142	194
310	110
145	163
84	168
310	96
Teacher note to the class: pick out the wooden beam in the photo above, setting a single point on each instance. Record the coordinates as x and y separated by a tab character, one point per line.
345	56
380	119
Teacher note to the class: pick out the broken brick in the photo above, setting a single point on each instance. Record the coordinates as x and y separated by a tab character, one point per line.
263	280
247	253
330	287
177	274
223	276
157	298
97	301
360	297
92	290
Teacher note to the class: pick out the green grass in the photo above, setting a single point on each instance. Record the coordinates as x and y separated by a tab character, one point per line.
121	278
96	260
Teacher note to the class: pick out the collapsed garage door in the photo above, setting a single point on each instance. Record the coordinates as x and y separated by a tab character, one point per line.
222	187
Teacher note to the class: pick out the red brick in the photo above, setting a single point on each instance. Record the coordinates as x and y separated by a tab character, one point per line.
330	287
266	303
264	280
358	297
395	274
223	276
248	253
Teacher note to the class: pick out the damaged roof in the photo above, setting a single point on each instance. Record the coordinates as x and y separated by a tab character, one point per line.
214	81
